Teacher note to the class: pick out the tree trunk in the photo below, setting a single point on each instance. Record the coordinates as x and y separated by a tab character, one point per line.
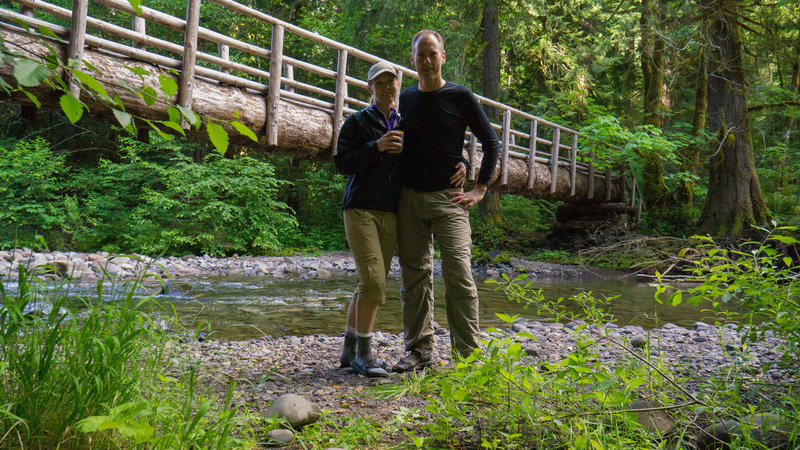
654	189
490	205
787	136
690	163
734	200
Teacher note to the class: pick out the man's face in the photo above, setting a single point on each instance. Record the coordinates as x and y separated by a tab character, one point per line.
427	58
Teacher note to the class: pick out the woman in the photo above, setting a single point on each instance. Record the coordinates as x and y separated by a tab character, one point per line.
368	151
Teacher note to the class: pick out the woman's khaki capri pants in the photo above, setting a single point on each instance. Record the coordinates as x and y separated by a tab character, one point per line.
372	237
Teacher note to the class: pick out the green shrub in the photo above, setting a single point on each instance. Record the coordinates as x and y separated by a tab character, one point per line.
157	200
755	285
32	181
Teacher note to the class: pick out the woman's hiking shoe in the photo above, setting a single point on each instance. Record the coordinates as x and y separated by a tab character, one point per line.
416	359
344	362
369	366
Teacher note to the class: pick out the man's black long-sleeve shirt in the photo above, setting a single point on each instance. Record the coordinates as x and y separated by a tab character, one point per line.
434	124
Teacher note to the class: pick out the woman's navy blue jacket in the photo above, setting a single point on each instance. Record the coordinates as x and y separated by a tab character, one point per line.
374	181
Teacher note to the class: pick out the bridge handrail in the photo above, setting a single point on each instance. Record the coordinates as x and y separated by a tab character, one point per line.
342	103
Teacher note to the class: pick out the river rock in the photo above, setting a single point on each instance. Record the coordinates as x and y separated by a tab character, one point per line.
655	421
297	410
768	429
281	437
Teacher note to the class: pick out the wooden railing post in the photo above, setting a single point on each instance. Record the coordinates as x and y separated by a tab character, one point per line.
532	154
189	59
25	10
77	39
288	73
554	159
139	25
506	143
473	157
224	52
341	95
591	176
274	91
573	164
399	88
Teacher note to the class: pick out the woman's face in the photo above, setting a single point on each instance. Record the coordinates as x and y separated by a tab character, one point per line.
384	88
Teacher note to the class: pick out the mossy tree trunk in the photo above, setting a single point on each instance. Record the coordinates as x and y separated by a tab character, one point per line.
787	135
690	160
734	201
490	205
652	50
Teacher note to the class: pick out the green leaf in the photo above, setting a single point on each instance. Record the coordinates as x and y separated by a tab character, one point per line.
30	73
149	95
163	135
173	125
123	118
72	107
91	67
137	6
168	85
118	102
676	299
218	136
784	239
91	82
191	117
138	71
174	114
32	98
43	30
241	128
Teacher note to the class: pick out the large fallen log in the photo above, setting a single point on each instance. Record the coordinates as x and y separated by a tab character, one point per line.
304	131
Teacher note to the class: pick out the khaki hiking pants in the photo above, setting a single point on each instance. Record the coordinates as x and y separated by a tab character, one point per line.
372	237
423	215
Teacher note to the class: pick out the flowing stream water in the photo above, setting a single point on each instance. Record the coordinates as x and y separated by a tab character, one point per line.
252	307
246	308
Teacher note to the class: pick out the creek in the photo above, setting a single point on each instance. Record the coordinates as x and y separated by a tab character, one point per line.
240	308
251	307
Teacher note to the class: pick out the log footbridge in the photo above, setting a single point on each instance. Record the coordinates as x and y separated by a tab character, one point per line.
293	91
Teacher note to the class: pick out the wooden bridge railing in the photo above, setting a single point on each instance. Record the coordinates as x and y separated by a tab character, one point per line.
279	82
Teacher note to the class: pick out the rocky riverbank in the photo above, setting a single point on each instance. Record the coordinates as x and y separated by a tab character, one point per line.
90	267
267	368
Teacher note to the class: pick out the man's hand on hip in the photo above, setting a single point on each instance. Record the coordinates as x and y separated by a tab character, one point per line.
460	177
469	199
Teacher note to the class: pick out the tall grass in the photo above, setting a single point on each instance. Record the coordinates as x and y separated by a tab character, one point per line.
92	373
75	361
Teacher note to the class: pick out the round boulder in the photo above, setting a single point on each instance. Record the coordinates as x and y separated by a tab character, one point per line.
297	410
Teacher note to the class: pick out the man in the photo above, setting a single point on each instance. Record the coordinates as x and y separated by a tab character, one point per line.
436	113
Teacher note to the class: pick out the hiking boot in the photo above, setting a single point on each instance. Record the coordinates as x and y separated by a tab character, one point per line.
369	366
349	350
416	359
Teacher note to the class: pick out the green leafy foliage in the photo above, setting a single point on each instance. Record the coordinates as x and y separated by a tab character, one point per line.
756	285
156	200
32	179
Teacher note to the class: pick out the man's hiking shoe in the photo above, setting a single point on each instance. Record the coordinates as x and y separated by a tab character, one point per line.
369	366
413	361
